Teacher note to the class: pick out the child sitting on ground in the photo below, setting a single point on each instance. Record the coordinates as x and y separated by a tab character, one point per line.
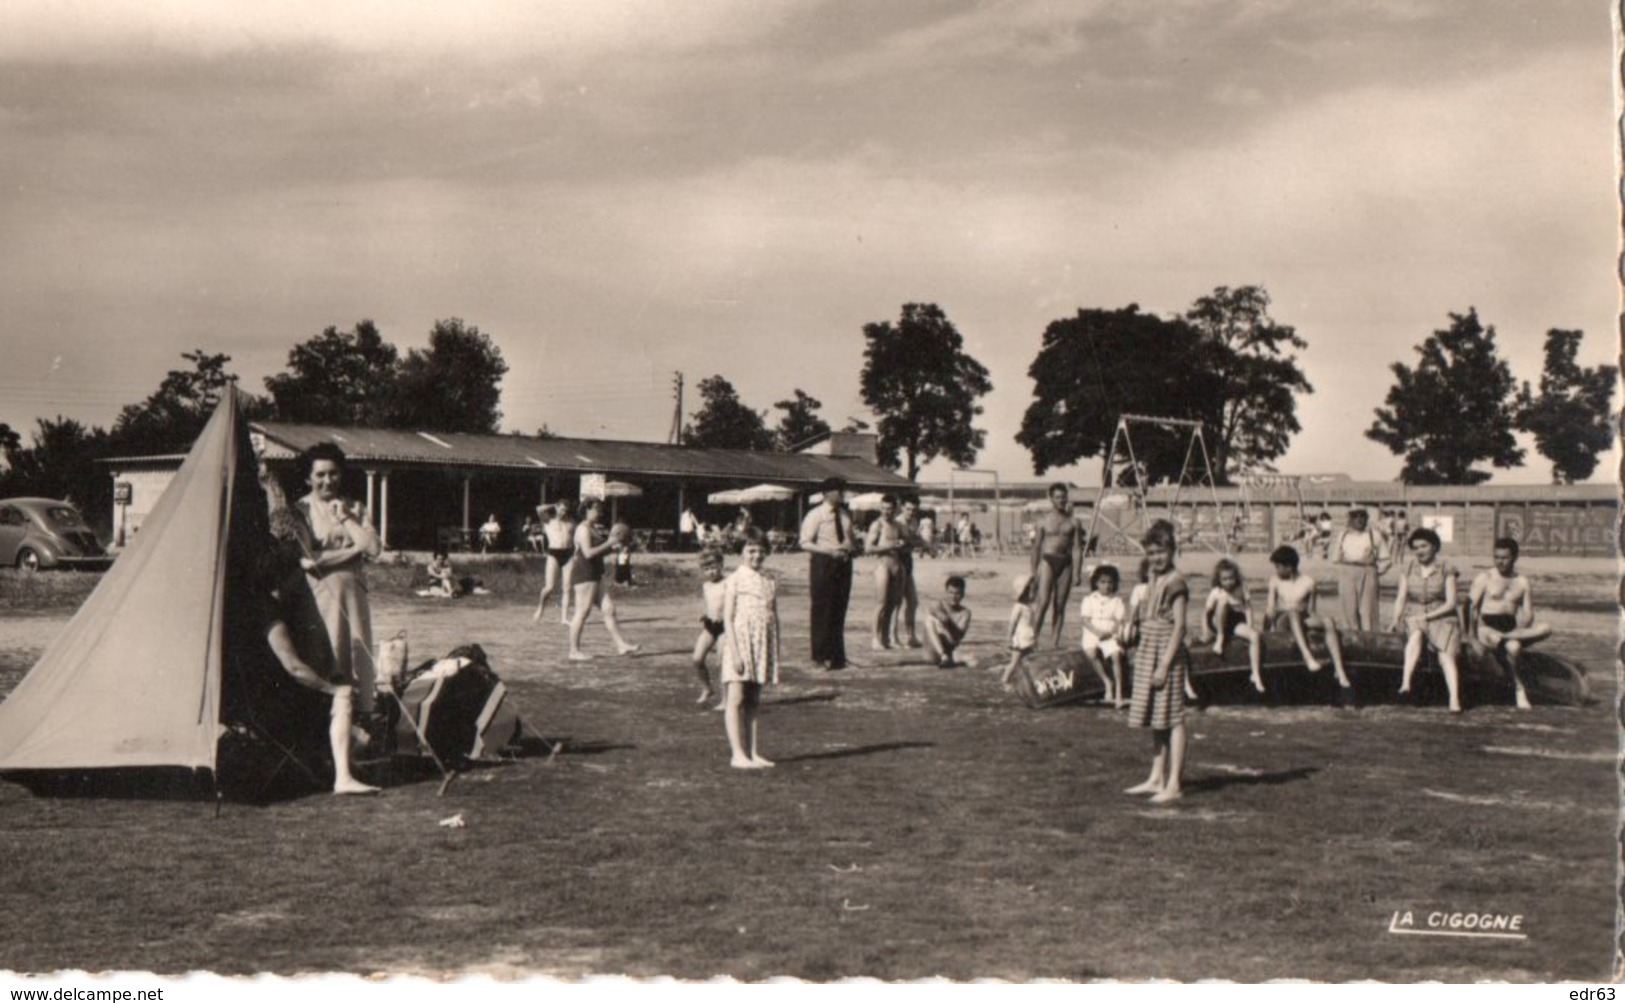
1023	629
710	621
1228	613
1104	614
442	581
947	623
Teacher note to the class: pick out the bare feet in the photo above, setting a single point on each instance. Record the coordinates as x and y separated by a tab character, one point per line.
580	656
742	764
1218	649
1258	684
1166	795
1523	700
706	697
1313	665
353	786
762	762
1149	787
537	616
628	649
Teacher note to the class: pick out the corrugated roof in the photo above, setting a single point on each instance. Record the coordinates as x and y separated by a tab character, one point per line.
576	456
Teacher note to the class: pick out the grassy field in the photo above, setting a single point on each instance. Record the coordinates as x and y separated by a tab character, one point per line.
921	823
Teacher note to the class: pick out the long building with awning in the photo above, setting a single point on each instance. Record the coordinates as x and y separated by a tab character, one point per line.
420	486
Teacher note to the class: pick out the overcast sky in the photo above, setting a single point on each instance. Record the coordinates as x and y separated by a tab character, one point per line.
617	190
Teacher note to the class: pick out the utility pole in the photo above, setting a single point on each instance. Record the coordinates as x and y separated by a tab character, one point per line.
675	436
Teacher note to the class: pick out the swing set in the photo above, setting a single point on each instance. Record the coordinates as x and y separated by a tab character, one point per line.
1120	533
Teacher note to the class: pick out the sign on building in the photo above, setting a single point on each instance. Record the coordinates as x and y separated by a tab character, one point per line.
592	486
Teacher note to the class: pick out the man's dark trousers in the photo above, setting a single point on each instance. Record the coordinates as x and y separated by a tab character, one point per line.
829	579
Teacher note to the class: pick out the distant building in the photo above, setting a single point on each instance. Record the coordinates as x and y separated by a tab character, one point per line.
422	486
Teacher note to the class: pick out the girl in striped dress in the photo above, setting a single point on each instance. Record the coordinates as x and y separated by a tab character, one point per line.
1159	667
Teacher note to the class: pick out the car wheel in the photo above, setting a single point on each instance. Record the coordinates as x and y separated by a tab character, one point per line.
27	560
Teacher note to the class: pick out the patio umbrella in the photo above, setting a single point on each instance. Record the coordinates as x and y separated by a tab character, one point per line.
869	501
615	491
766	492
732	496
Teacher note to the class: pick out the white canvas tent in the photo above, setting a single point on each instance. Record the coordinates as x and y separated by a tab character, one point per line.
168	655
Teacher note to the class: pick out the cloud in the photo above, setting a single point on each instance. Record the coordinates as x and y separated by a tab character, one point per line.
78	31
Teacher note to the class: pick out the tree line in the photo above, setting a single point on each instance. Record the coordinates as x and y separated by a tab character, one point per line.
1225	362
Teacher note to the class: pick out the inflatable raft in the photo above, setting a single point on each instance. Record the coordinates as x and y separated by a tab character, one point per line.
1374	662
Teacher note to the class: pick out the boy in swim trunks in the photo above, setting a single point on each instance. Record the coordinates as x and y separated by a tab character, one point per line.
1057	562
1290	605
710	622
1501	614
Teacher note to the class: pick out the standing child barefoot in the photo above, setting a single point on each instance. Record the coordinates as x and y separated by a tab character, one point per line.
750	649
710	621
1023	626
1159	668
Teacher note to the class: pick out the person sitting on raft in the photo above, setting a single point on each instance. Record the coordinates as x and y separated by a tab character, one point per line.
1290	605
1430	583
1501	615
1229	613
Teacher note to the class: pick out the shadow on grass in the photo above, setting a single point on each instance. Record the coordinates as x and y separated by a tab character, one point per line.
827	697
574	748
861	750
1221	781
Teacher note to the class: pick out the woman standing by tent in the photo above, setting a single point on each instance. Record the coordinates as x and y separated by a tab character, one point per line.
340	540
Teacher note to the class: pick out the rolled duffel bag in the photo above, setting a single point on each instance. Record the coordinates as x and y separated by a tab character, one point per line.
459	706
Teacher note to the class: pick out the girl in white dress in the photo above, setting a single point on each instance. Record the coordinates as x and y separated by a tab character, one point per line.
750	649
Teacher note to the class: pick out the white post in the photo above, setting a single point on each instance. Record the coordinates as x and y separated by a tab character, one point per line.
467	526
383	510
372	498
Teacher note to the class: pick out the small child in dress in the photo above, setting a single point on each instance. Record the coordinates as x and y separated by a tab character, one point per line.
710	621
1104	614
1023	632
947	623
750	649
1228	613
1159	667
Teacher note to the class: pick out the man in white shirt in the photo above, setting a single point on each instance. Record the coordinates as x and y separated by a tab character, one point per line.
826	536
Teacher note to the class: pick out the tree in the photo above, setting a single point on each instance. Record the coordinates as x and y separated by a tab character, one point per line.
1570	419
171	418
61	463
10	443
724	422
800	422
1259	378
1101	364
455	386
923	386
1455	409
338	378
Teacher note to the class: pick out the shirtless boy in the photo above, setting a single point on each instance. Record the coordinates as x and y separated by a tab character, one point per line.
1291	602
1501	614
947	623
1057	562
